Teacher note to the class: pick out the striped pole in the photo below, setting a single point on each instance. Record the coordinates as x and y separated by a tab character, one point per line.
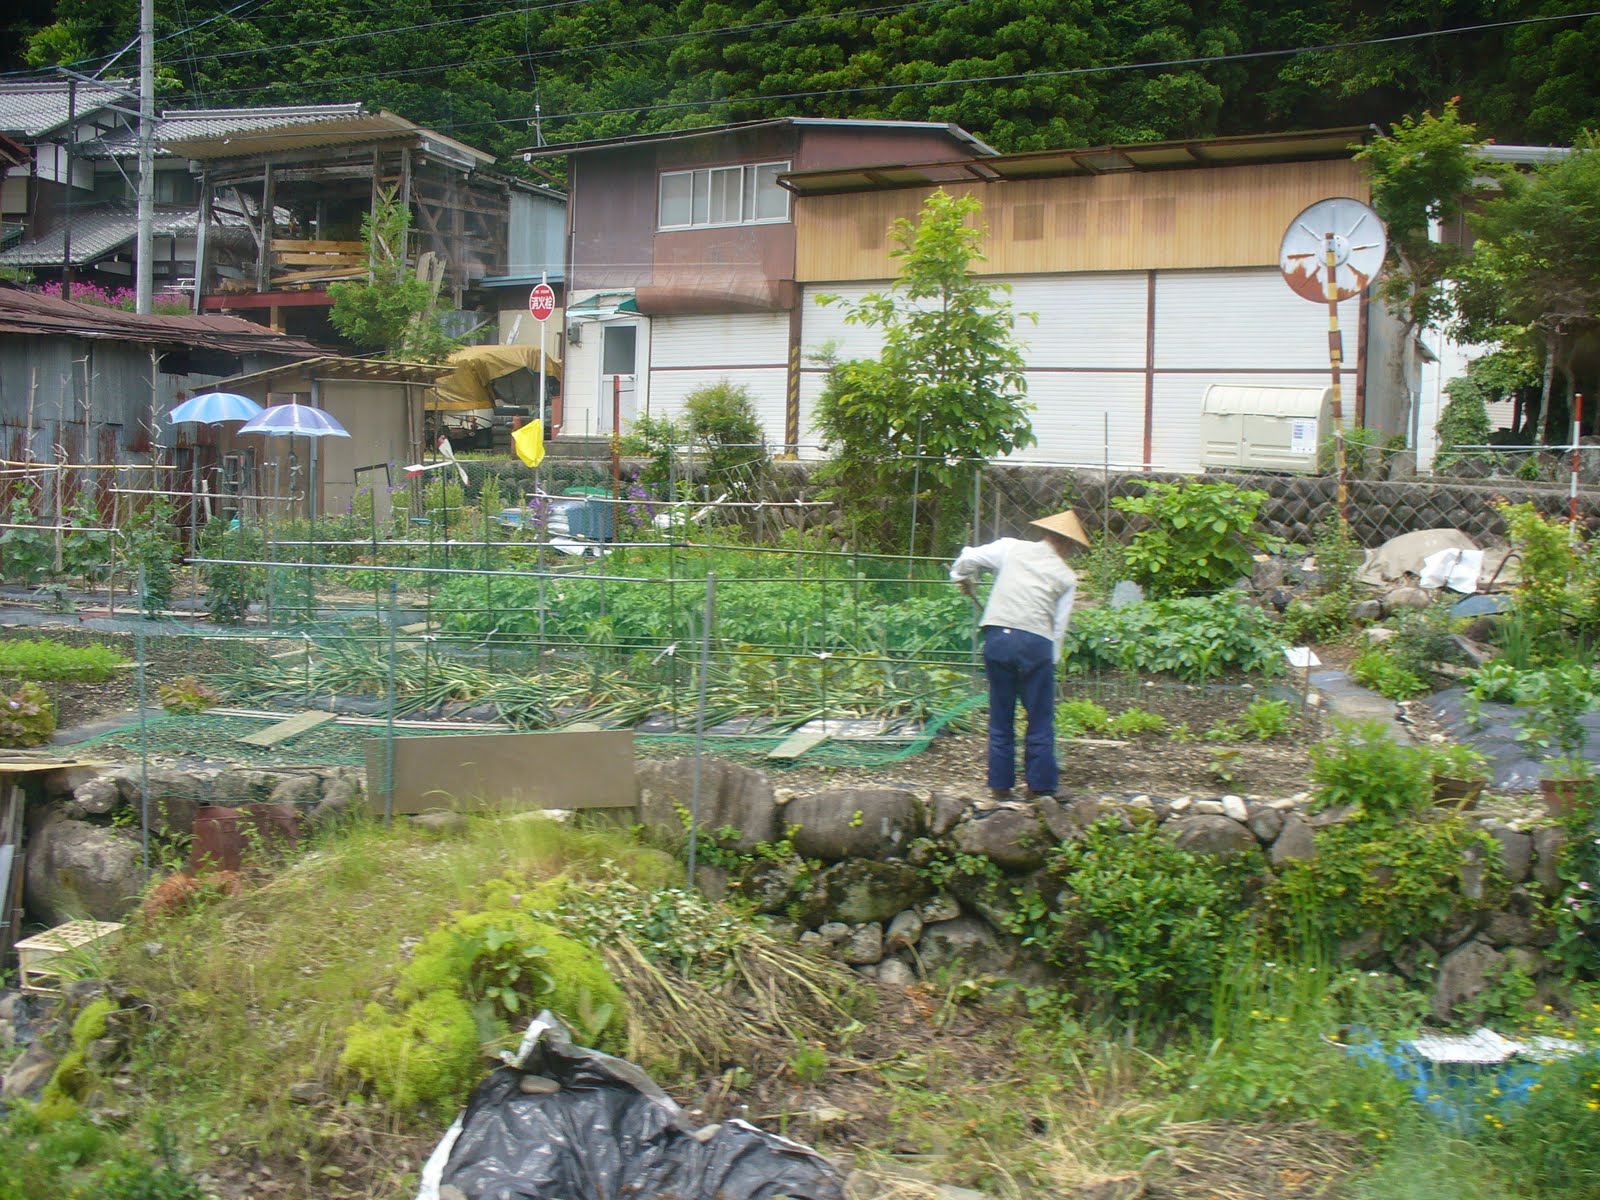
1335	359
1572	483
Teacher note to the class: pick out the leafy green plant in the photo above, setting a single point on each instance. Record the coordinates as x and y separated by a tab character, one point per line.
1223	764
728	437
27	551
394	310
1195	638
1316	621
1074	718
1457	761
1361	766
1558	590
809	1064
1132	722
45	658
1557	699
150	549
1388	873
27	718
1197	537
230	588
1266	719
186	694
1377	669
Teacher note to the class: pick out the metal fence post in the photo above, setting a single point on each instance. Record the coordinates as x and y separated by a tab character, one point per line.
700	721
144	749
388	732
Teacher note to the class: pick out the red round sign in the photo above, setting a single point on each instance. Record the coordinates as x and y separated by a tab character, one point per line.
542	302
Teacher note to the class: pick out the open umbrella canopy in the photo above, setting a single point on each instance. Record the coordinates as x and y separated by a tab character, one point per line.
295	420
214	407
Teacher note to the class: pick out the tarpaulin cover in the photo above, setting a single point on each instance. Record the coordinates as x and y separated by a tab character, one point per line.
608	1133
471	382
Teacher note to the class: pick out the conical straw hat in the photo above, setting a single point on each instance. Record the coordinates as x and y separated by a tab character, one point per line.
1066	524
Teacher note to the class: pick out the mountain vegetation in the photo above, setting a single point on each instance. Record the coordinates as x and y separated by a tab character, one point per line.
1023	74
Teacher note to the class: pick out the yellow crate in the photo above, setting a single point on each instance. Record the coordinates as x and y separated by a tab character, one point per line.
35	954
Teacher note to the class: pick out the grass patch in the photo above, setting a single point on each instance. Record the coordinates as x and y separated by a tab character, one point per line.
46	659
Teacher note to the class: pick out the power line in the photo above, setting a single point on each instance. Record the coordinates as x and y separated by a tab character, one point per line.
1023	76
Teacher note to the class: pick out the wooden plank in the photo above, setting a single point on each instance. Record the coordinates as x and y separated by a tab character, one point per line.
284	730
798	743
311	274
303	244
283	259
493	771
11	866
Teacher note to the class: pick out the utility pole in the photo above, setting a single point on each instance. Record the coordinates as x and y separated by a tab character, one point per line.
144	265
66	221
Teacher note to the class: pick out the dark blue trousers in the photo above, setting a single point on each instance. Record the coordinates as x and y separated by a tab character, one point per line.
1021	666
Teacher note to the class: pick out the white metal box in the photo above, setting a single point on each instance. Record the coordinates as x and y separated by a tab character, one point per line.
1264	428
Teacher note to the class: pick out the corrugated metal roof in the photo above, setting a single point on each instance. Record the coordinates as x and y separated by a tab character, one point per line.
30	109
96	232
1095	160
380	370
959	134
31	314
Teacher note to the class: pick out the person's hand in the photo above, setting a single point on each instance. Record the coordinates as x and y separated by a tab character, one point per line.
969	588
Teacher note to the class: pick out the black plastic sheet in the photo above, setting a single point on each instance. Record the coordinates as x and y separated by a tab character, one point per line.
608	1133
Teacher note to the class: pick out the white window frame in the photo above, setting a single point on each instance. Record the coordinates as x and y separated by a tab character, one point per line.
700	178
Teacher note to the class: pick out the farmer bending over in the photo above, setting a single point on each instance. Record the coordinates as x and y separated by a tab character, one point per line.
1023	626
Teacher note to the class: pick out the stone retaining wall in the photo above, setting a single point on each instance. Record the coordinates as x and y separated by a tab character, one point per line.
873	906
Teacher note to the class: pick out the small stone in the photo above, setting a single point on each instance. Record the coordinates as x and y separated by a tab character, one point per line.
813	940
865	945
537	1085
1464	974
1233	806
1408	597
904	931
98	796
942	907
1181	805
1547	847
1295	842
896	973
1266	823
305	1091
833	932
1140	800
828	1114
1208	808
1371	610
443	824
1285	803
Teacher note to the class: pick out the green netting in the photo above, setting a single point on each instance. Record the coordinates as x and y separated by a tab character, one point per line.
209	736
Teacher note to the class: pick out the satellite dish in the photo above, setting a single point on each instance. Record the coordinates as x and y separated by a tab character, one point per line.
1359	244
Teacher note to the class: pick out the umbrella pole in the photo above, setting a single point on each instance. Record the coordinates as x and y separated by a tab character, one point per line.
312	446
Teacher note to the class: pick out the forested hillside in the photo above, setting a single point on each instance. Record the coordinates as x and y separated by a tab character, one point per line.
1025	74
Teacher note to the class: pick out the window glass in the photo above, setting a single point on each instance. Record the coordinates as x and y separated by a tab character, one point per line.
771	201
616	352
677	189
701	197
727	195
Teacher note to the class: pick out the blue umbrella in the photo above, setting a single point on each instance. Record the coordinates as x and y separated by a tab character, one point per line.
295	420
214	407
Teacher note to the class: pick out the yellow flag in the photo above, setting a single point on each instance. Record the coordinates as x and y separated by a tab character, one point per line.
529	443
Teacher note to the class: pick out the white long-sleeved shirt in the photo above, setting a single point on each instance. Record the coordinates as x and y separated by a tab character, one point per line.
1033	587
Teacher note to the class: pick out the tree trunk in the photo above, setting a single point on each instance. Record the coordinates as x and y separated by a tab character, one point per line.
1537	426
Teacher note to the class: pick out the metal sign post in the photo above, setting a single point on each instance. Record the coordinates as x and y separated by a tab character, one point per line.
541	303
1329	253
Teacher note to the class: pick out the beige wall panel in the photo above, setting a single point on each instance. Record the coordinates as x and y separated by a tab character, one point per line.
1126	221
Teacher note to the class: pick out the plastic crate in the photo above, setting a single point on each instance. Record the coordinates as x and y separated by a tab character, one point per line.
36	955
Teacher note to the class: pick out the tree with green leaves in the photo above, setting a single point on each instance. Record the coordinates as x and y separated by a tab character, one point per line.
1535	269
395	310
907	429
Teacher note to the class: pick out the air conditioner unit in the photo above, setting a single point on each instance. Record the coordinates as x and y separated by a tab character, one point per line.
575	335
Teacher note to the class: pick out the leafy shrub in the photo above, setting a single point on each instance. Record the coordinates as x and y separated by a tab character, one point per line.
1464	422
27	718
1198	537
1397	877
1558	592
1377	669
1550	1138
45	658
1195	638
1321	619
1362	766
728	437
27	551
1141	925
668	925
